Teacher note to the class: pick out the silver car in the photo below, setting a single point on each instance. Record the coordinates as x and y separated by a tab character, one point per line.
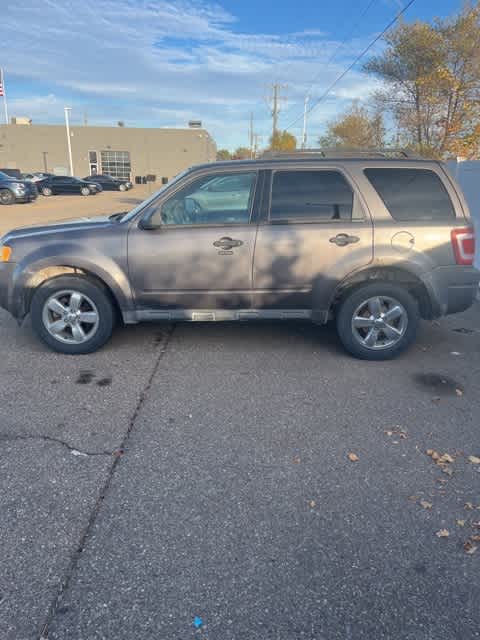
375	241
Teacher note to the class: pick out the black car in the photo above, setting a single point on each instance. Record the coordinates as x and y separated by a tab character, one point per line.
110	184
55	185
13	190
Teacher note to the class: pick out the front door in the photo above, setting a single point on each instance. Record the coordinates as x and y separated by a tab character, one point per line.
315	234
193	250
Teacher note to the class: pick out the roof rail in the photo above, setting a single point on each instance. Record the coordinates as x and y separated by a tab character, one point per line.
387	152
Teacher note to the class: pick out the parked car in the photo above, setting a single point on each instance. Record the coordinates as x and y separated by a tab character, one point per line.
373	242
55	185
12	173
13	190
110	184
36	177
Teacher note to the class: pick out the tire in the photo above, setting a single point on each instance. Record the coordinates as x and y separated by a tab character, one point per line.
123	187
94	302
374	336
46	191
85	191
6	197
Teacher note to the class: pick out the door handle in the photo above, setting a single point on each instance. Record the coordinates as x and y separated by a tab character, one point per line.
342	239
227	243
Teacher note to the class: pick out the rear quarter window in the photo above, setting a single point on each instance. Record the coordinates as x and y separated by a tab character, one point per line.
412	194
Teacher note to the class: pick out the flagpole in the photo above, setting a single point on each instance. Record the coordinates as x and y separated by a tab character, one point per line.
4	97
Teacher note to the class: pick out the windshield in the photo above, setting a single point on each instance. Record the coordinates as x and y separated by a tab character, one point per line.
4	176
131	214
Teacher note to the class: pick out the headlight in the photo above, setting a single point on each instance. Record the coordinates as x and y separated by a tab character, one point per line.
18	186
5	253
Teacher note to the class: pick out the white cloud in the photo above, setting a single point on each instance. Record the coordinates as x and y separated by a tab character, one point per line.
161	63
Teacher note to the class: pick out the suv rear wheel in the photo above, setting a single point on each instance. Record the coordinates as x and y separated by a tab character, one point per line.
72	314
378	321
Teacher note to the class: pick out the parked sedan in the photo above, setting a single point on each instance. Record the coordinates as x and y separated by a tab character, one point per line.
110	184
55	185
36	176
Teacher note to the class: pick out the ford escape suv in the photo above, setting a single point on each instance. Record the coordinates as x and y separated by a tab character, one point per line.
372	240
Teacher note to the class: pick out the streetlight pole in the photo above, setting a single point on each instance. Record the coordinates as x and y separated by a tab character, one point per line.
69	142
305	112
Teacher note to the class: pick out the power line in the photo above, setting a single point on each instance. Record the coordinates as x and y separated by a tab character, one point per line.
357	59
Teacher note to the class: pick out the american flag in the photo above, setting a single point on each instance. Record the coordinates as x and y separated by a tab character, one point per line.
1	86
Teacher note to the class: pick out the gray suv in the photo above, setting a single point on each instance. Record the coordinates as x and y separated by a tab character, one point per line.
374	241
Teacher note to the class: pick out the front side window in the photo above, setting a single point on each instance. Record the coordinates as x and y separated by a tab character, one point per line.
412	194
310	196
224	199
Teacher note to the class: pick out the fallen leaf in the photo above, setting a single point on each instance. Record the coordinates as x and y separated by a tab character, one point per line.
296	459
443	533
461	523
353	457
469	547
474	459
413	498
468	505
75	452
425	504
476	524
388	433
430	452
445	458
448	471
435	455
311	504
459	392
436	399
475	538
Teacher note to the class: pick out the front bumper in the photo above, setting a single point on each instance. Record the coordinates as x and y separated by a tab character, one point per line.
452	289
6	286
28	197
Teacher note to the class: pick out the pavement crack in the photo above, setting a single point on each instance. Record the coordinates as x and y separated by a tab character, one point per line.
7	437
63	586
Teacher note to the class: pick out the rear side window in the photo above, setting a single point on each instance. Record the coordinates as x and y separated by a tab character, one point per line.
412	194
310	196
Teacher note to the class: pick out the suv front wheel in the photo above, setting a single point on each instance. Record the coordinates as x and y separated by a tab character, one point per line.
72	314
377	321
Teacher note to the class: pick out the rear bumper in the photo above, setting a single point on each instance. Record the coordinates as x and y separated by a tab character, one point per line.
452	289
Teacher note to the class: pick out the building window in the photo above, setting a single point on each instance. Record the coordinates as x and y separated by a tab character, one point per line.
116	164
92	157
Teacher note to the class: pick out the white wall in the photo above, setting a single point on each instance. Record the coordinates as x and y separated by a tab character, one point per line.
467	174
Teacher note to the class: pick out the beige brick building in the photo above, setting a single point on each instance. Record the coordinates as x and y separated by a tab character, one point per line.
118	151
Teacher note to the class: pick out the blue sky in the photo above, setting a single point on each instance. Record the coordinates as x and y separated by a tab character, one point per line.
159	63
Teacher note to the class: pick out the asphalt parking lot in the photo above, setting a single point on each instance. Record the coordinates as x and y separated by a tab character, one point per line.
194	481
63	207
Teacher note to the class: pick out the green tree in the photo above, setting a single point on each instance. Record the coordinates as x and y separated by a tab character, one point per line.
241	153
357	128
431	74
224	154
282	141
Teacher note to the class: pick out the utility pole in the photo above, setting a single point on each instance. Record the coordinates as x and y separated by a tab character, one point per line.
256	138
251	134
275	100
305	114
69	142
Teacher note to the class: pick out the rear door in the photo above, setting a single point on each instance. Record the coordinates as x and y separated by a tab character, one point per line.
316	231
